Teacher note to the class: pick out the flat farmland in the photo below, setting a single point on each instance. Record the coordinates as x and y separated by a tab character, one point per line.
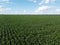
29	30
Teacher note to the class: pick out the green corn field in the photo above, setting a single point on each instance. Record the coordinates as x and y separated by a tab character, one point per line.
29	30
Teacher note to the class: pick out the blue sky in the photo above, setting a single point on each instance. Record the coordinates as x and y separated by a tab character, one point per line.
29	6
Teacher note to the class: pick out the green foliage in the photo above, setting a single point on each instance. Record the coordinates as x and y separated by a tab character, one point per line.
29	30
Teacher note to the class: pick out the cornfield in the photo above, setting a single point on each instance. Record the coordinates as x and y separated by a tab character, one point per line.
29	30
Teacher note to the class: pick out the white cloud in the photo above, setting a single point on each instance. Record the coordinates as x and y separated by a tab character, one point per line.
4	1
53	0
33	1
42	8
1	8
47	10
4	10
41	2
24	11
58	10
46	1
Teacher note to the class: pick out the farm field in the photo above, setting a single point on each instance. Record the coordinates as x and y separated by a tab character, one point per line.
29	30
